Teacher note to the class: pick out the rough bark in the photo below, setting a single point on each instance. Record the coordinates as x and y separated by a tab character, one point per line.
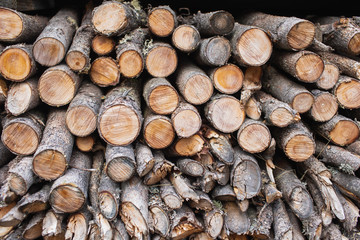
183	187
35	202
34	227
235	221
162	167
109	197
169	195
347	183
21	176
159	214
184	223
282	225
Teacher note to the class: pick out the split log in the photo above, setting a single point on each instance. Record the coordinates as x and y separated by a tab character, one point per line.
253	109
3	90
104	72
33	229
22	97
282	224
281	87
193	83
51	45
187	147
21	176
129	52
81	114
78	56
162	167
102	45
183	187
184	223
114	18
329	76
250	45
269	189
144	159
160	96
85	144
159	219
162	21
53	226
77	225
186	120
17	27
17	62
120	162
186	38
69	192
169	195
227	79
120	118
35	202
245	175
134	208
235	221
109	197
54	151
58	85
213	51
22	134
325	106
346	90
290	33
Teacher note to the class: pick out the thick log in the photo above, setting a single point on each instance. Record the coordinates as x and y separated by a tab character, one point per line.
104	72
18	27
81	114
290	33
109	197
51	45
21	176
329	76
120	117
325	106
281	87
227	79
250	45
282	224
69	192
33	229
187	147
22	134
102	45
120	162
58	85
186	120
346	90
162	21
17	62
235	220
224	193
184	223
186	38
144	159
35	202
77	225
54	151
213	222
22	97
169	195
162	167
190	167
213	51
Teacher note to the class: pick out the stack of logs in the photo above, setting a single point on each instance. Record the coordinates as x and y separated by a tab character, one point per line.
120	122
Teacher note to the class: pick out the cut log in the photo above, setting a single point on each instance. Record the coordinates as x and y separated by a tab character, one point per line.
331	232
160	96
187	147
17	27
161	59
77	225
120	117
13	217
51	45
52	227
144	159
58	85
104	72
3	90
186	120
113	18
184	223
22	134
261	218
329	77
54	151
269	189
227	79
120	162
97	164
120	230
224	193
213	51
35	202
290	33
85	144
190	167
281	87
21	176
17	63
347	183
183	187
162	21
205	203
245	175
253	109
325	106
346	90
193	83
351	213
162	167
213	222
169	195
186	38
69	192
225	113
159	219
252	83
81	114
282	224
22	97
250	45
235	221
33	229
102	45
109	197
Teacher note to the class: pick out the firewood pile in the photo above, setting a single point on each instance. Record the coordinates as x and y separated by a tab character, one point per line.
120	122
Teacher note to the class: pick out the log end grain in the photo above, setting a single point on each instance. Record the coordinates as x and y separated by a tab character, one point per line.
348	93
253	109
222	22
109	205
81	121
49	164
324	108
17	184
120	169
299	148
159	133
19	98
85	144
186	122
102	45
131	63
189	146
161	21
109	18
198	89
301	35
104	72
216	51
309	67
15	64
186	38
66	198
48	51
163	99
254	137
302	102
282	117
329	77
11	24
76	60
354	44
344	132
161	61
228	79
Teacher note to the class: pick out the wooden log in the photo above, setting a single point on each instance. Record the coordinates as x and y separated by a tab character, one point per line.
85	144
22	97
193	83
186	38
345	91
17	62
331	232
227	79
109	197
102	45
225	113
35	202
162	167
269	189
213	222
134	208
281	225
184	223
169	195
339	130
54	151
245	165
161	59
120	119
325	106
129	52
351	213
13	217
290	33
187	147
281	87
69	192
51	45
124	18
160	96
78	55
183	187
159	215
21	176
81	114
162	20
104	72
120	230
77	225
58	85
253	136
186	120
329	76
262	217
250	45
213	51
144	159
34	227
223	193
235	221
252	83
253	109
52	226
205	203
347	183
19	27
120	162
190	167
3	91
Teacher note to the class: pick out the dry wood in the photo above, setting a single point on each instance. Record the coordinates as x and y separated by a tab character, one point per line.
169	195
205	203
35	202
3	90
144	159
282	224
329	76
54	151
104	72
224	193
162	167
184	223
213	51
235	221
252	83
109	196
33	229
227	79
190	167
17	62
120	230
186	38
162	21
77	225
58	85
13	217
261	219
21	176
183	187
269	188
85	144
51	45
351	213
347	183
186	120
53	227
187	147
213	222
325	106
159	219
20	27
346	90
102	45
331	232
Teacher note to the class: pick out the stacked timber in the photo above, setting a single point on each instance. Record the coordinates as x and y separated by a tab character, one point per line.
124	123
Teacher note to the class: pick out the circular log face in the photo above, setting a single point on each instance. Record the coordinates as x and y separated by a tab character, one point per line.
217	51
348	93
186	123
108	206
81	121
299	148
48	51
344	132
76	60
254	138
131	64
159	133
222	22
309	67
67	198
161	22
324	107
186	38
189	146
49	164
329	77
303	102
301	35
11	24
102	45
354	44
18	99
109	18
198	89
120	169
281	117
246	180
17	184
161	61
163	100
104	72
15	64
228	79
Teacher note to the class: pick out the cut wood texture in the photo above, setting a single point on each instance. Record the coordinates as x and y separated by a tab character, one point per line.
186	38
186	120
346	90
325	106
213	51
227	79
162	21
104	72
329	76
102	45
